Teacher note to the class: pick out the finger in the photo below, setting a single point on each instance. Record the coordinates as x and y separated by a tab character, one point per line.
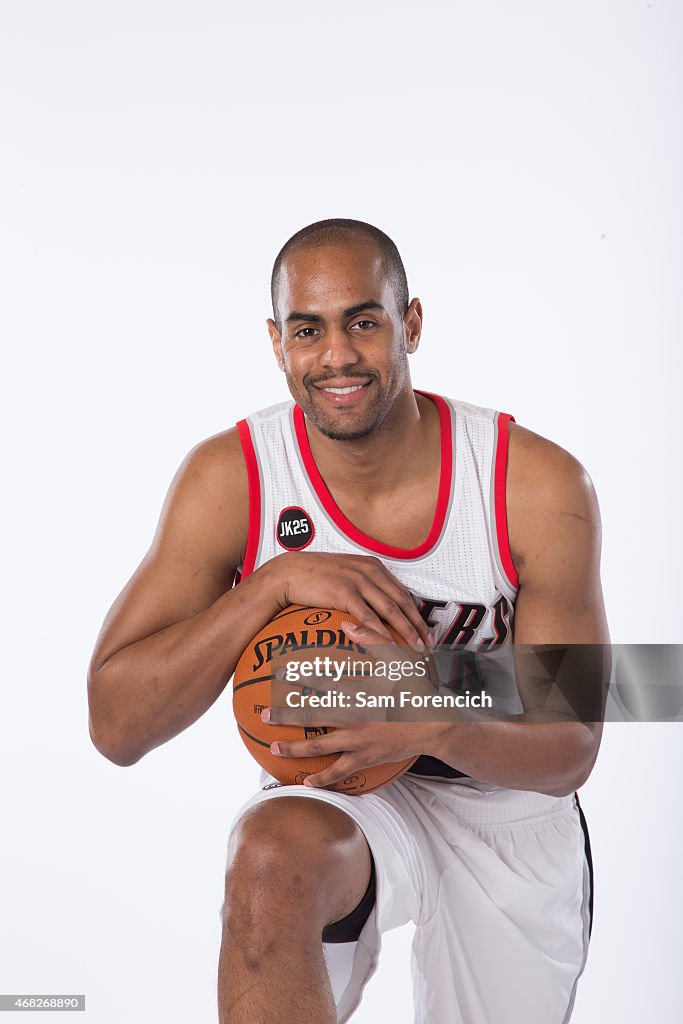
375	644
378	646
395	605
365	633
362	610
317	746
402	611
340	770
309	717
400	594
292	716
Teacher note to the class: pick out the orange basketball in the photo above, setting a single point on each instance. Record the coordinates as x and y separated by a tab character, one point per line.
296	633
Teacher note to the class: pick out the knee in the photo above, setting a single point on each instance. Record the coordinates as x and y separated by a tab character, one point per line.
280	856
280	844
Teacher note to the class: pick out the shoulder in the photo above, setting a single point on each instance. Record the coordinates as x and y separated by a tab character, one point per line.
541	471
549	494
222	456
215	465
209	495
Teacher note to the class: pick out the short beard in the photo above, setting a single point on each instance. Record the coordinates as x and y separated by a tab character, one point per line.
343	435
336	431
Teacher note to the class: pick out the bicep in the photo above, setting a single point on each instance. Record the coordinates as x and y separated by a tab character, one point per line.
557	538
196	549
560	593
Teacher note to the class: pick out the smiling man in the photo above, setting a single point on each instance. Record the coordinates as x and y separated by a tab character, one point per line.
456	527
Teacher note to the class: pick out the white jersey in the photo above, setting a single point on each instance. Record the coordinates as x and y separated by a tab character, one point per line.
497	881
462	575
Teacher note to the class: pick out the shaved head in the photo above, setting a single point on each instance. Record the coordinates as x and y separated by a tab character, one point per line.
342	231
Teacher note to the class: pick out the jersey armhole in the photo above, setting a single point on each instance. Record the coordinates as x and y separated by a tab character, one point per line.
499	504
254	480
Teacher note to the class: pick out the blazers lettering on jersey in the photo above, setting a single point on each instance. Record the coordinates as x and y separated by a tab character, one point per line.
465	618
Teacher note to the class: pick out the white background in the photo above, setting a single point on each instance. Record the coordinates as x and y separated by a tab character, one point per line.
155	156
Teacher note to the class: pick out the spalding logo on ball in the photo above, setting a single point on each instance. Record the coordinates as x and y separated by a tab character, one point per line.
255	688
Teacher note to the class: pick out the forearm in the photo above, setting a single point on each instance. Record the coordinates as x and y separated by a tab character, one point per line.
151	690
554	758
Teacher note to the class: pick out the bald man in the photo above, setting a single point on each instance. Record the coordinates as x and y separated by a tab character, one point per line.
456	527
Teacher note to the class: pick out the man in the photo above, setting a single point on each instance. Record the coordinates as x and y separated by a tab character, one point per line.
456	527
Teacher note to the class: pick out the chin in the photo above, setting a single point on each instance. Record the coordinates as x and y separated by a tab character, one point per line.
337	430
335	434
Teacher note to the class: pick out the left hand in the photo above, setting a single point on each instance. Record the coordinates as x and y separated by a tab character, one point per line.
360	744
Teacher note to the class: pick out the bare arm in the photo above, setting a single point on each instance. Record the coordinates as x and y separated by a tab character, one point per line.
172	639
554	527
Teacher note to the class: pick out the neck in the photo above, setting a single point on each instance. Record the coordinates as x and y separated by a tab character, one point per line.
394	452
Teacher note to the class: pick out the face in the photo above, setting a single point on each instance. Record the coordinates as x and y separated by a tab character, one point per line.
344	343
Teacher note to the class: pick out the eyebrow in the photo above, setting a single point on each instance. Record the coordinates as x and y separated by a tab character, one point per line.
351	311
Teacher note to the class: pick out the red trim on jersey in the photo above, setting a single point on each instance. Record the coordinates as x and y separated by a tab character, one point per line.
499	501
254	498
347	527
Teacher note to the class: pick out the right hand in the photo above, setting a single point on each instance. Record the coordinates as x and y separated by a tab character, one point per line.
358	584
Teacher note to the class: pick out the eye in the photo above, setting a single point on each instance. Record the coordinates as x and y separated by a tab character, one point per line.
364	324
303	332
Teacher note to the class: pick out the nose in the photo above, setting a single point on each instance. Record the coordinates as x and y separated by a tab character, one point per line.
339	349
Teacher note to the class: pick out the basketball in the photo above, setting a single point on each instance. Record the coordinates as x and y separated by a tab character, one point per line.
297	632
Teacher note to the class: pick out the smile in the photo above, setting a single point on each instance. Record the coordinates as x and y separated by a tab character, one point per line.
344	395
344	391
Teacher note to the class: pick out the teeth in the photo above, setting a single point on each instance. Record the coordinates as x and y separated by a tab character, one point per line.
344	391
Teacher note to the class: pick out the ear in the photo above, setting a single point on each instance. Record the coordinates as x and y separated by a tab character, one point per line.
276	342
412	325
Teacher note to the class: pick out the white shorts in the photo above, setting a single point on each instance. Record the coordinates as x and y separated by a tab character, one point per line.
498	884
